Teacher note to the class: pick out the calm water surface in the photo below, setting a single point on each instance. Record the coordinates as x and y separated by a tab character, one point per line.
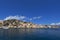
29	34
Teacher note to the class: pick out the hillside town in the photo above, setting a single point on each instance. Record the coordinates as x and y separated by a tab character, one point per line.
13	23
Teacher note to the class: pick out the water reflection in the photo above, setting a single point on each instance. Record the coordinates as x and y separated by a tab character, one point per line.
29	34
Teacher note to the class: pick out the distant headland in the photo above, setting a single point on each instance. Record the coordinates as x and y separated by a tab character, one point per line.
14	23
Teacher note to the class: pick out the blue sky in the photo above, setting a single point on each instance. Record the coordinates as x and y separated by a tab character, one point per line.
49	10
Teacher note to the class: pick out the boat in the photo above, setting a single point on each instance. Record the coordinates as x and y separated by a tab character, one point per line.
5	27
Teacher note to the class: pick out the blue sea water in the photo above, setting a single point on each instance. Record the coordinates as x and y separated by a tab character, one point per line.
30	34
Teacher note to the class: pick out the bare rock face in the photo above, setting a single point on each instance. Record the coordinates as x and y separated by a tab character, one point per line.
11	22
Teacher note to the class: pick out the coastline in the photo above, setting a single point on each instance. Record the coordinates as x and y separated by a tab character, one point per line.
28	28
13	23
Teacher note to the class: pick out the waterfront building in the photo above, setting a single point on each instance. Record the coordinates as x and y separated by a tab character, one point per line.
1	23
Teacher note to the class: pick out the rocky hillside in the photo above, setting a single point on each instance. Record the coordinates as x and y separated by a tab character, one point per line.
13	23
16	23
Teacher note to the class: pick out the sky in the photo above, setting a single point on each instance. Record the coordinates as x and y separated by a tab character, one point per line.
36	11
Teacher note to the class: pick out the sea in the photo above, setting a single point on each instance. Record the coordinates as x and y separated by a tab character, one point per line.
30	34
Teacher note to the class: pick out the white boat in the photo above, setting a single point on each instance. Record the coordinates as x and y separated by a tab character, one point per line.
5	27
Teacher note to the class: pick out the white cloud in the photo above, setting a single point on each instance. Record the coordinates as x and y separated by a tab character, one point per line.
24	18
15	17
55	23
30	19
37	17
34	18
58	23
